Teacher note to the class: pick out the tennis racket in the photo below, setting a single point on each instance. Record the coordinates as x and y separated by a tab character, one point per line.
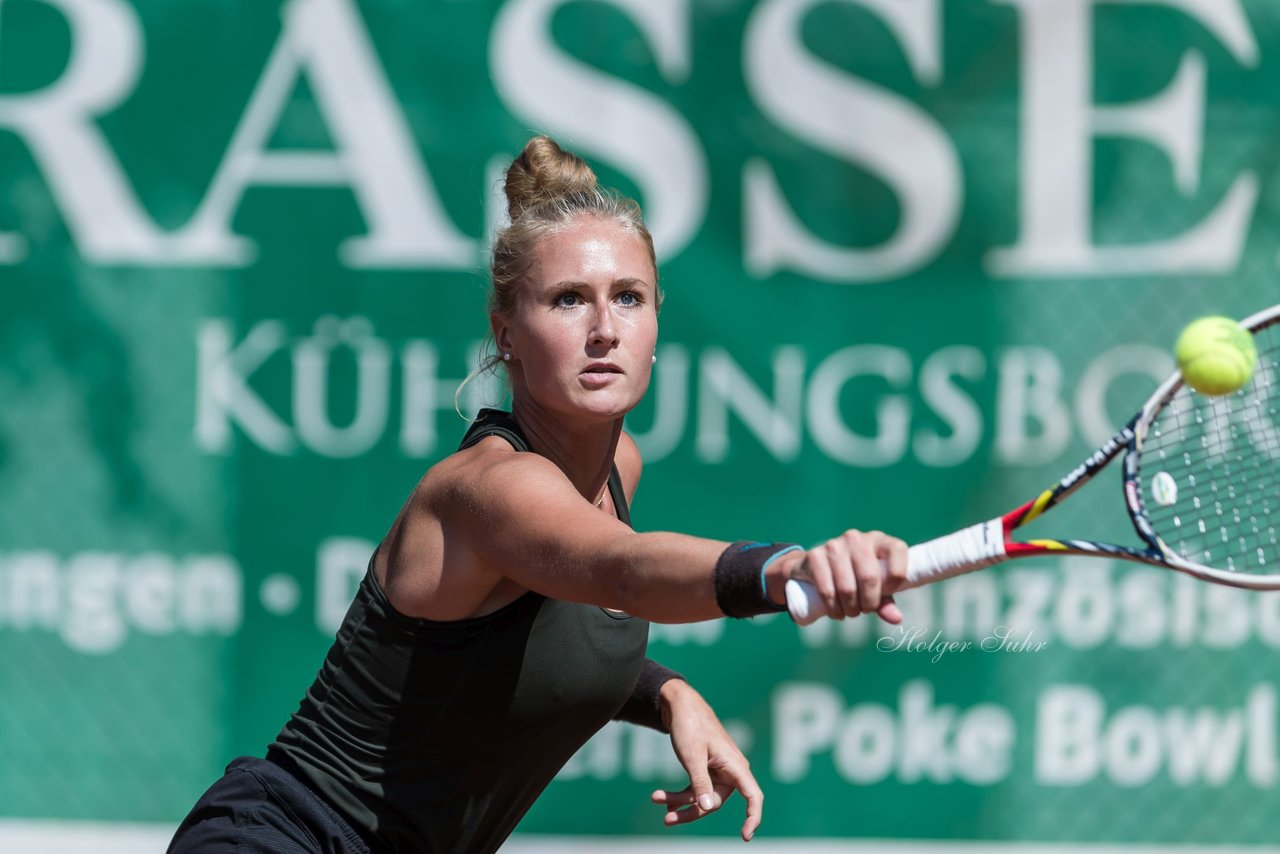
1201	485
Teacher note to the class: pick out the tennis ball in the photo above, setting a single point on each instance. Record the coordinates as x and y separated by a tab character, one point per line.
1216	355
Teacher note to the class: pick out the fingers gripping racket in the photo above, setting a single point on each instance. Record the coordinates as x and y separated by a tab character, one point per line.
1201	485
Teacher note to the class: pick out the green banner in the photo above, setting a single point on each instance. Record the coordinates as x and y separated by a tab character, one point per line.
919	260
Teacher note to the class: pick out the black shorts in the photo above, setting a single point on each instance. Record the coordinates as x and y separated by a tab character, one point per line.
258	807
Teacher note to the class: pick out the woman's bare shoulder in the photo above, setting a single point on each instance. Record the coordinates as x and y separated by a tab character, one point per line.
465	476
629	462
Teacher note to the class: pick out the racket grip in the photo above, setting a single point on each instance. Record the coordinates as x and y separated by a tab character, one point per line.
804	602
949	555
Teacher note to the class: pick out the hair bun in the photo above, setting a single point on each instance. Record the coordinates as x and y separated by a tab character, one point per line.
544	171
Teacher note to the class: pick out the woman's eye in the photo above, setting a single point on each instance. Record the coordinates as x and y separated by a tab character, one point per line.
567	299
629	298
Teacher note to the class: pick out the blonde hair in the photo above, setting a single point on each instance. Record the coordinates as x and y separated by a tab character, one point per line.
547	188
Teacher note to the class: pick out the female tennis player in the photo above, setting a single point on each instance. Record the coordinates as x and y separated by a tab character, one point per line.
504	616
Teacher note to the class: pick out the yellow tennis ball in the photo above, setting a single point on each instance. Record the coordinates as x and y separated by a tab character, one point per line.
1216	355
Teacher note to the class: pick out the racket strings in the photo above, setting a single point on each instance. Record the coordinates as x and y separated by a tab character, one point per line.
1210	470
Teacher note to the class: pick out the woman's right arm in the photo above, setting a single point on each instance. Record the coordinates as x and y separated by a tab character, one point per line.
520	515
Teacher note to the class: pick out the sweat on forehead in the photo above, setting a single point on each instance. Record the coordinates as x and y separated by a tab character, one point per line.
591	246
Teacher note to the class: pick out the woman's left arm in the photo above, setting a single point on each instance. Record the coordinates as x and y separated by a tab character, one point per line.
663	700
715	765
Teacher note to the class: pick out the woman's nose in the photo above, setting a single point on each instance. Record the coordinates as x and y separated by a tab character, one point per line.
604	330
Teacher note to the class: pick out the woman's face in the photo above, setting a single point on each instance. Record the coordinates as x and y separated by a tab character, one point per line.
586	322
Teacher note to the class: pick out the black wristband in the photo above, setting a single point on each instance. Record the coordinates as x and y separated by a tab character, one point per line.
644	706
739	578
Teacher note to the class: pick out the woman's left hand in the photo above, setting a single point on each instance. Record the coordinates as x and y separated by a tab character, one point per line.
715	765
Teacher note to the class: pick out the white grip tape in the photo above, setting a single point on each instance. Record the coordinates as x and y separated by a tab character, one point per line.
953	554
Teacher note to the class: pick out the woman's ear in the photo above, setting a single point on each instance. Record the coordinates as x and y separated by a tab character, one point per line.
501	335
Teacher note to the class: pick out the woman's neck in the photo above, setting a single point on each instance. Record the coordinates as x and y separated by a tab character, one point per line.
584	452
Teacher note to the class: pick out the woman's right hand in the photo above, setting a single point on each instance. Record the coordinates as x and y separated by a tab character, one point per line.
847	572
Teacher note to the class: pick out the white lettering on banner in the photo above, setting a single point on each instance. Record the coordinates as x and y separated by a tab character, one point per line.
859	122
57	124
374	154
311	364
725	386
223	393
870	742
892	411
327	42
1030	392
1079	740
953	406
92	600
1033	423
225	397
621	123
1060	121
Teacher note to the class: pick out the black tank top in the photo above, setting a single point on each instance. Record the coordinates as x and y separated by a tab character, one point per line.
438	736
